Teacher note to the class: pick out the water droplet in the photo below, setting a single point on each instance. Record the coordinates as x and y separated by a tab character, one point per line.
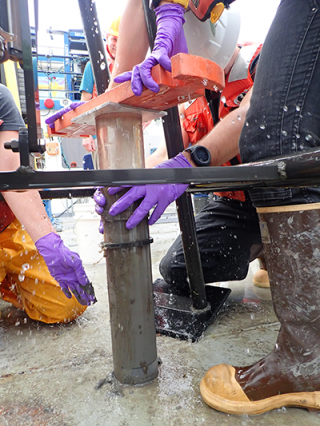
223	99
298	136
247	124
21	277
262	126
308	138
25	266
268	137
239	117
181	98
285	109
103	65
215	88
284	133
205	82
298	108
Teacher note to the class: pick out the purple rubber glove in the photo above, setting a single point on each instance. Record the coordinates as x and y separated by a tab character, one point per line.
50	121
169	41
66	268
100	200
159	195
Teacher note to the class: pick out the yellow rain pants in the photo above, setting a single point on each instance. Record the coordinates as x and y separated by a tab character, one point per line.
26	281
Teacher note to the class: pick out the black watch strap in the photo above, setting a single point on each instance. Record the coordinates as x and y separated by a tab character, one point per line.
155	3
200	155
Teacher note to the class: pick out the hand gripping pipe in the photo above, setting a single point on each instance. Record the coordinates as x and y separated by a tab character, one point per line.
128	258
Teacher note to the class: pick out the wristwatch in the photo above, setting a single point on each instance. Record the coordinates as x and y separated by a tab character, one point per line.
200	155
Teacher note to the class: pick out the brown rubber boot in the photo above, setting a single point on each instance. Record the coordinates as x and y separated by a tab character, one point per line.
290	374
261	277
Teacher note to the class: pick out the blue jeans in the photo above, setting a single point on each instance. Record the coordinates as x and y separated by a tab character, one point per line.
284	114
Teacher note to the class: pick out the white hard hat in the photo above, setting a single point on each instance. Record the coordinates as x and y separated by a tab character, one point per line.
213	41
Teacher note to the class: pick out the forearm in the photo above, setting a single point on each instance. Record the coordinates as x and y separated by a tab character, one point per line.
158	156
27	206
85	96
223	140
133	39
161	153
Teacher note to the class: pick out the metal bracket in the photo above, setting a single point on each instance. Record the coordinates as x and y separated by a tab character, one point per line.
114	108
176	317
21	145
6	37
129	244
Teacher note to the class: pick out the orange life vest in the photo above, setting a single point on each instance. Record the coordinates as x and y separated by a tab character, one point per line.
198	120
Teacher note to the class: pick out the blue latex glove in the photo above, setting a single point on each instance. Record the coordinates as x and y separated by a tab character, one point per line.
66	268
50	121
170	40
159	195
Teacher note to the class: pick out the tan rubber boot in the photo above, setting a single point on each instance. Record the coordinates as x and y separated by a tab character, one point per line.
261	277
290	374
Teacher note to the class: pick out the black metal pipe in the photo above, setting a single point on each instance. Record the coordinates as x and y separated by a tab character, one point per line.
28	76
174	143
298	170
95	44
243	178
4	24
150	22
172	131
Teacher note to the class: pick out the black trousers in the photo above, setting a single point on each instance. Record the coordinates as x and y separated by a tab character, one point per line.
228	236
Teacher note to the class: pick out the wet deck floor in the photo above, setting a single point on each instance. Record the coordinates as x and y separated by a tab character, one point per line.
59	375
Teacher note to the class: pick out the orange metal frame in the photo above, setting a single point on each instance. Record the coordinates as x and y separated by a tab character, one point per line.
190	76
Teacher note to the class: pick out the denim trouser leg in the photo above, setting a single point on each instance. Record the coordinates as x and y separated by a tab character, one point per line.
284	114
227	231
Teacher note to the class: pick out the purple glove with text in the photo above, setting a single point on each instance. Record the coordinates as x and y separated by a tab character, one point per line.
50	121
170	40
66	268
159	195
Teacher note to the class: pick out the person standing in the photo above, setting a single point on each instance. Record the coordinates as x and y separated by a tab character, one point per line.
88	87
282	119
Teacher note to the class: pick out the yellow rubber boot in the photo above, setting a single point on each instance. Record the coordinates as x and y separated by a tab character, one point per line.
289	375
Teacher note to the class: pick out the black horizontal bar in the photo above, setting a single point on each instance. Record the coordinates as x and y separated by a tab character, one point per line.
291	171
24	179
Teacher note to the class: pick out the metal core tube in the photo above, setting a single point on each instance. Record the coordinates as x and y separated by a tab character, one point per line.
129	277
